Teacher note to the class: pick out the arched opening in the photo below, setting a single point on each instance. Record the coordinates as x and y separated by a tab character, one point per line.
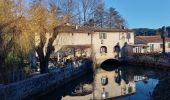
103	49
110	64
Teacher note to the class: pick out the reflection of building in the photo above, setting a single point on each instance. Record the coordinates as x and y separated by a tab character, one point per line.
145	44
82	40
112	89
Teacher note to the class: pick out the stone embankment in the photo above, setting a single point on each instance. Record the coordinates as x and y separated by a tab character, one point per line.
149	61
162	90
43	83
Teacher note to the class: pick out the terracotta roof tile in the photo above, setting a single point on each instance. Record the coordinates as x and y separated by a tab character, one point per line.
72	29
149	39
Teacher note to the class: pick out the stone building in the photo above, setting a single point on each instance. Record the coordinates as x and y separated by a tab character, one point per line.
98	43
144	44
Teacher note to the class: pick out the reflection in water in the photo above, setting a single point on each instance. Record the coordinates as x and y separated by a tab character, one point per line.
118	84
130	82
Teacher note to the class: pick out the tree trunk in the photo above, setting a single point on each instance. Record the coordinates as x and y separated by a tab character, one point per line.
44	59
43	66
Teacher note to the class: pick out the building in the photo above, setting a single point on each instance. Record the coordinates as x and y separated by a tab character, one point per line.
98	43
144	44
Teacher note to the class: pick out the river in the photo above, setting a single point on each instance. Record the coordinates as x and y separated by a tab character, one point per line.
121	83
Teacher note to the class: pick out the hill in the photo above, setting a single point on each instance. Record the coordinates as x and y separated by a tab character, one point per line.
149	32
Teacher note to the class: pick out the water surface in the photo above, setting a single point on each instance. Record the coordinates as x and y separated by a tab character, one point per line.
122	83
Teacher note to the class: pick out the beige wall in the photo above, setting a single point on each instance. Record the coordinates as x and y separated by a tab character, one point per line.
112	88
112	39
72	39
85	39
157	47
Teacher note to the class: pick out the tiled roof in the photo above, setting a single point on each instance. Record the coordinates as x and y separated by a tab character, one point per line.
72	29
111	30
149	39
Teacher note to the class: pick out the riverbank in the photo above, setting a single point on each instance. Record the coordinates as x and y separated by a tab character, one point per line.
162	90
161	62
43	83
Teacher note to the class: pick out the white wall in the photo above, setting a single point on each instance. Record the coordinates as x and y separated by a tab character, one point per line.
72	39
112	39
157	47
85	39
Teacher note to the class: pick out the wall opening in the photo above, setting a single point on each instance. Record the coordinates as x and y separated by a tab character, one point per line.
110	64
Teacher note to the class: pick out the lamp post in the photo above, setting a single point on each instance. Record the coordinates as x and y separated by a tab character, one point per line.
163	35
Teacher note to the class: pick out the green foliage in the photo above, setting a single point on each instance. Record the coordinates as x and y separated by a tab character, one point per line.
14	60
145	31
27	69
149	32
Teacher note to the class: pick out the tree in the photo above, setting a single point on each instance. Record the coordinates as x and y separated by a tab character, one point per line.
68	8
8	28
99	14
44	21
119	22
87	8
14	40
111	17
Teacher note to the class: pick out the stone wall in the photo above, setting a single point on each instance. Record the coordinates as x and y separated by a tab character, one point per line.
42	83
158	62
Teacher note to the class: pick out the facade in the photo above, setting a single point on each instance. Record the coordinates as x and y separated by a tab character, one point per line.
144	44
98	43
105	41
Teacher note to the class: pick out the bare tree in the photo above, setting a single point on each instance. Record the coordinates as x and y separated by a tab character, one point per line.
87	8
68	9
99	15
119	22
111	17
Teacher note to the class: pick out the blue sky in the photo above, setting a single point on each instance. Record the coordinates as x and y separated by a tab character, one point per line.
143	13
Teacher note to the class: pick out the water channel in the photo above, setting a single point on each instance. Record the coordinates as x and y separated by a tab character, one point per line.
121	83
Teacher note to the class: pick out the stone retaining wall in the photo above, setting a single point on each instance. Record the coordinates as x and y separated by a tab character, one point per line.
158	62
42	83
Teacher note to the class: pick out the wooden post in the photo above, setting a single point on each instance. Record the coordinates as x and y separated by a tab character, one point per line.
163	34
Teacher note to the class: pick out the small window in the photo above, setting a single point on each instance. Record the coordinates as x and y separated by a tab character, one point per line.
168	45
102	35
102	42
88	34
128	36
152	47
103	49
161	45
136	50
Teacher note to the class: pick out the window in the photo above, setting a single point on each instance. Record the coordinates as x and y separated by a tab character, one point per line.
88	34
152	47
168	45
161	45
128	36
102	35
136	50
103	49
102	42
